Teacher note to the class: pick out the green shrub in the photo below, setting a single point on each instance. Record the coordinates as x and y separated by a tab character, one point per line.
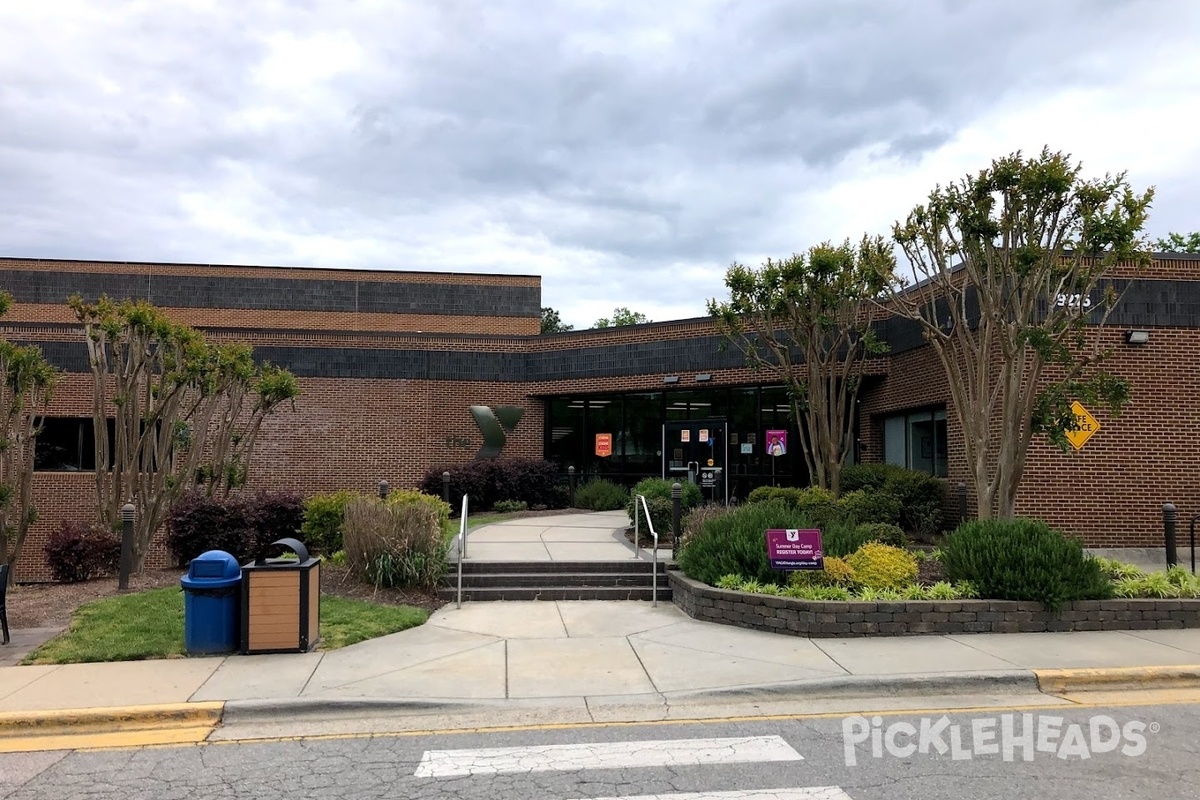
870	507
321	530
601	495
729	582
398	542
735	543
837	593
840	537
886	534
921	496
508	506
880	566
661	512
922	502
1118	570
697	517
490	480
198	523
869	477
657	488
1022	559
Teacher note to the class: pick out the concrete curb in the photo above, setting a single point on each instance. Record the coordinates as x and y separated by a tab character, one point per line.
988	682
243	711
18	724
1063	681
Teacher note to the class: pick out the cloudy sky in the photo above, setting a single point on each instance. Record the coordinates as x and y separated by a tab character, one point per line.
627	152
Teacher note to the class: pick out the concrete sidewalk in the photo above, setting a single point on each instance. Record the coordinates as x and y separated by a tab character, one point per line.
501	663
582	654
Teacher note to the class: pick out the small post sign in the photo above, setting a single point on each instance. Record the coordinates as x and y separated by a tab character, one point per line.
603	445
793	549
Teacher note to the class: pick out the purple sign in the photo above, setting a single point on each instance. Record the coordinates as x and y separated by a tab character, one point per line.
795	549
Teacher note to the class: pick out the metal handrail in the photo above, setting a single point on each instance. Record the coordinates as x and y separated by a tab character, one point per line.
461	543
637	537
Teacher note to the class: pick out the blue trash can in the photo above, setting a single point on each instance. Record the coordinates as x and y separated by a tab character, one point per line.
211	595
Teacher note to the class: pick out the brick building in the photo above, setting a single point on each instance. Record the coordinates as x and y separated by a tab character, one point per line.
390	364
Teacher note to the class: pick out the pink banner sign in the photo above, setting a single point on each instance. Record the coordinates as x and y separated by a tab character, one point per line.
795	549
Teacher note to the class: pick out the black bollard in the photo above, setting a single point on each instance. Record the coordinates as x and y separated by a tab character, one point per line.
446	487
1169	533
383	490
676	525
962	502
571	483
127	511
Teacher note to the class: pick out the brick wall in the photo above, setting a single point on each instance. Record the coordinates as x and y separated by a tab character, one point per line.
352	431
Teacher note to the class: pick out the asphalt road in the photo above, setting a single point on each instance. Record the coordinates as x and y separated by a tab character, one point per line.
1074	754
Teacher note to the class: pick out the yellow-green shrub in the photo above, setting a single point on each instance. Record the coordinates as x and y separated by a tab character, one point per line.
881	566
836	572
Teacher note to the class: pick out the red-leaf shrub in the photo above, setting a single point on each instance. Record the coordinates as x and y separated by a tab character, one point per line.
80	551
487	482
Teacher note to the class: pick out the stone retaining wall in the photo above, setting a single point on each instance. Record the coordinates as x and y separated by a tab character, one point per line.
814	618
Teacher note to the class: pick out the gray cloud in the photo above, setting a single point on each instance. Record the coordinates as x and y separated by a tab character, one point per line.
613	148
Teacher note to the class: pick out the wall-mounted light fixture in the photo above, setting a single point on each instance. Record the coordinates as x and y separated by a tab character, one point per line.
671	379
704	376
1137	337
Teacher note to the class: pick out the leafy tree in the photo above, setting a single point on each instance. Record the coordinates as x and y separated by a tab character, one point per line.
1179	243
808	319
28	381
1011	267
186	410
552	322
621	316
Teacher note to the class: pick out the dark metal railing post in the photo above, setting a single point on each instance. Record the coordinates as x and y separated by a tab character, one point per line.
383	490
446	487
571	482
962	502
1169	516
127	512
676	532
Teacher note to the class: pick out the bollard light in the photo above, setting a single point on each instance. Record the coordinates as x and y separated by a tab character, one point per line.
126	564
383	490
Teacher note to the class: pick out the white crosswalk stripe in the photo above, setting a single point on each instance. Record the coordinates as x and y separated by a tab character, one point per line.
606	755
799	793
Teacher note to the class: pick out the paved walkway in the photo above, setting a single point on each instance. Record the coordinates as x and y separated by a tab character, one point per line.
593	661
598	536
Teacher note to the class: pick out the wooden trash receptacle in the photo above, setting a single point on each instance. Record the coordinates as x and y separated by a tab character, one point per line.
281	601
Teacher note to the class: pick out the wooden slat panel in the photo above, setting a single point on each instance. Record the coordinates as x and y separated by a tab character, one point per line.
280	580
281	642
280	607
314	603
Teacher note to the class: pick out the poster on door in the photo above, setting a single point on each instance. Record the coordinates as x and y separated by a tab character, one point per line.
685	435
603	445
777	443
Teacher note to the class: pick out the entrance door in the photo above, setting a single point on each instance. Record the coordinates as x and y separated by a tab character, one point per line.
697	450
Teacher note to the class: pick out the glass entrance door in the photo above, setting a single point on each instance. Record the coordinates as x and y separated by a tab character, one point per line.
697	450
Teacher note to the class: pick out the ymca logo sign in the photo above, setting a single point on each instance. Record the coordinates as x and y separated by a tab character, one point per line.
495	425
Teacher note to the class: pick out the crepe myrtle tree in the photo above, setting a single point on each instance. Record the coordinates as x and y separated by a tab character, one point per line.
808	320
186	411
26	384
1011	269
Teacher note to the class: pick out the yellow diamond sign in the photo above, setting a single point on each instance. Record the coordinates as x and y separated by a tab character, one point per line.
1087	425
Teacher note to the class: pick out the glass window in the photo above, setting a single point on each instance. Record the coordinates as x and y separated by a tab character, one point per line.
65	444
916	440
642	434
564	432
604	416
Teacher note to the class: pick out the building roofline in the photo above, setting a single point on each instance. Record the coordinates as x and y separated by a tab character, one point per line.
4	258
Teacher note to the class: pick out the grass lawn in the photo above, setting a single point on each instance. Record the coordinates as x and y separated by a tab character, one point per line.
150	625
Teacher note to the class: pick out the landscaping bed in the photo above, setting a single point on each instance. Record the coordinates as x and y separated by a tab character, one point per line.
826	618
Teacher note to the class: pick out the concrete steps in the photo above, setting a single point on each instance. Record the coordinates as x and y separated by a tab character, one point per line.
556	580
